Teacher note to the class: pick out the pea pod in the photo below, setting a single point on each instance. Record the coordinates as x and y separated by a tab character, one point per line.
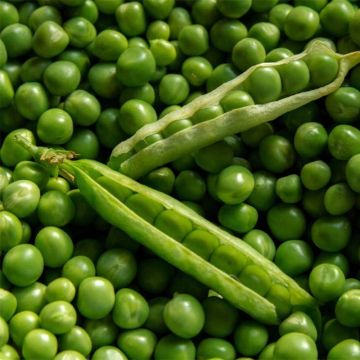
175	233
152	145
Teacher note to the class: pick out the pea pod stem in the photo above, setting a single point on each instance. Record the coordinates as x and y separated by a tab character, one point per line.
205	133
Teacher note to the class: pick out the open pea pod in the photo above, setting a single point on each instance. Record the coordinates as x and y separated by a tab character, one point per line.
183	238
165	140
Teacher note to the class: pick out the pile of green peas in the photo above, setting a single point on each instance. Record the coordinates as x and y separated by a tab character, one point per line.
87	74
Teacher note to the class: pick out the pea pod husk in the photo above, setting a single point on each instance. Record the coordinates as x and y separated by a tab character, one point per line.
85	173
136	164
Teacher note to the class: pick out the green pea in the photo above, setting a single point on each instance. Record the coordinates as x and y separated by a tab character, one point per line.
47	12
255	278
6	90
135	66
267	33
326	282
173	89
346	349
248	52
17	39
250	337
221	74
21	198
109	45
83	107
155	321
33	69
139	343
334	333
201	242
263	195
261	242
102	332
79	57
294	257
158	29
310	139
278	14
60	289
346	308
162	179
55	245
159	9
352	172
77	269
87	9
240	217
215	348
339	199
196	70
336	258
289	189
58	317
234	9
31	100
286	221
130	309
323	69
225	258
225	33
9	352
264	85
118	266
39	344
9	14
179	17
306	113
61	77
193	40
131	18
95	298
49	39
76	339
11	230
206	113
298	322
331	233
57	183
344	142
236	99
173	224
23	264
276	153
108	353
234	184
301	23
315	175
81	31
30	298
103	80
8	304
55	126
21	323
174	347
295	77
189	185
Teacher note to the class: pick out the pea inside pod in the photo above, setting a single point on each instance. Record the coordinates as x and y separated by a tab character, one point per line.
271	90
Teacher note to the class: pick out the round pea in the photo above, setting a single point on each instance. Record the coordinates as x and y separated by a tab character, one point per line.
267	33
346	349
84	143
315	175
175	348
326	282
213	348
135	66
261	242
61	77
96	297
77	269
8	304
339	199
298	322
331	233
11	230
250	337
248	52
39	344
23	264
130	309
17	39
323	69
193	40
81	31
295	345
289	189
347	308
131	18
49	39
344	142
239	217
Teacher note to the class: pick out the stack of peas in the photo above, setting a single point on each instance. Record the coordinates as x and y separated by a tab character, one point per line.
87	74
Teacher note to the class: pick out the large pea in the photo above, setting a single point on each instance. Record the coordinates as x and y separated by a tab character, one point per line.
21	197
201	242
344	142
256	278
323	69
295	77
228	259
173	224
264	85
11	152
143	206
11	231
49	39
